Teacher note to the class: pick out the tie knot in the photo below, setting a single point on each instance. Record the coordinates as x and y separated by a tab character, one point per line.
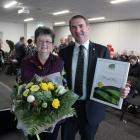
81	47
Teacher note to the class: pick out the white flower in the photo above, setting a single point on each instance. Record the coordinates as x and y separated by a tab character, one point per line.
30	99
61	90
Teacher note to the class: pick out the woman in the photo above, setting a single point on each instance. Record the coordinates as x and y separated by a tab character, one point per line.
42	63
134	75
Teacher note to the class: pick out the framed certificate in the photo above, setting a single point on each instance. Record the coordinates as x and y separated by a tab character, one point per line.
110	76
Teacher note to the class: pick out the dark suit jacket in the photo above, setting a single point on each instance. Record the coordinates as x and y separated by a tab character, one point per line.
95	111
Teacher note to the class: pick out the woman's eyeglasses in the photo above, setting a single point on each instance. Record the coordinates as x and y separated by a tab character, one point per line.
45	42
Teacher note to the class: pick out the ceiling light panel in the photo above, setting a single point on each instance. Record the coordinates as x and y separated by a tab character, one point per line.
28	19
10	4
59	23
61	12
23	10
118	1
96	18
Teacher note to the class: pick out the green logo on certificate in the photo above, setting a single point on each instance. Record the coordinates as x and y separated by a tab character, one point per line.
111	66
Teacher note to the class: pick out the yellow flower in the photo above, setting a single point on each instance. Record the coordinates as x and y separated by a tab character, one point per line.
100	84
55	103
44	86
50	85
34	88
29	85
26	92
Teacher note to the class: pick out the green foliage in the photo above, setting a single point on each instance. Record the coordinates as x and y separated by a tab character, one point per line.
33	116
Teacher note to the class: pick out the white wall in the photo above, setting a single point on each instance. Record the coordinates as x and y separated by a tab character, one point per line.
11	31
60	32
31	27
123	35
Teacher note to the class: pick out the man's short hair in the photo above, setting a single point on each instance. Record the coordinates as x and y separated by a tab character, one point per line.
22	38
44	31
29	41
78	16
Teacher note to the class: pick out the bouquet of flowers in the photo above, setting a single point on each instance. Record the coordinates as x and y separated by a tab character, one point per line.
39	105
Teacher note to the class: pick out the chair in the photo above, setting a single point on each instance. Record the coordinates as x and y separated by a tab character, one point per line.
131	104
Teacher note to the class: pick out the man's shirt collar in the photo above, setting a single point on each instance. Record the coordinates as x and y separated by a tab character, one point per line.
86	44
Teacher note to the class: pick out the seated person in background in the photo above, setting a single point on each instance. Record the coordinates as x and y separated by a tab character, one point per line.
11	45
134	74
70	40
131	103
138	58
30	48
62	43
124	56
13	65
116	56
111	50
1	56
55	50
131	53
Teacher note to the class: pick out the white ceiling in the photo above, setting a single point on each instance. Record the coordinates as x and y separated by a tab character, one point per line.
42	10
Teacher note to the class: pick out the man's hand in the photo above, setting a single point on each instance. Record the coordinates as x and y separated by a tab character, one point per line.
125	91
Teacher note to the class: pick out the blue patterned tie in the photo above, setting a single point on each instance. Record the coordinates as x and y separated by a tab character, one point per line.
78	88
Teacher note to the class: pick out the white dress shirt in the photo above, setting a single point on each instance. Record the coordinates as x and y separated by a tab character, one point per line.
74	65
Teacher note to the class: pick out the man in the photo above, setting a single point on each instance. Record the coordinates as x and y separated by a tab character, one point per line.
124	56
62	43
111	51
70	40
20	50
11	46
1	56
89	113
30	48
